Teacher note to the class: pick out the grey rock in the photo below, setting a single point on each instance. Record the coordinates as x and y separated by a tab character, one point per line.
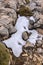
40	31
36	25
4	32
39	43
36	15
25	35
5	20
32	6
29	45
20	2
12	29
32	20
12	4
9	12
39	50
38	4
30	27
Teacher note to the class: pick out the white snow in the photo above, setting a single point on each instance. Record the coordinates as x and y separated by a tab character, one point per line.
16	38
33	37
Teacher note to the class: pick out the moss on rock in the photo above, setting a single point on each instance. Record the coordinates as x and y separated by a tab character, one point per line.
24	11
4	55
27	1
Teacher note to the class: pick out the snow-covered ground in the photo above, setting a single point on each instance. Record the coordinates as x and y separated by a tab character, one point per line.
16	38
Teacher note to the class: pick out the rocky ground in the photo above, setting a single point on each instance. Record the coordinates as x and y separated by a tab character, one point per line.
10	10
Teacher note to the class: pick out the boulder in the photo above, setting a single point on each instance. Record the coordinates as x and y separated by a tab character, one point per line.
4	32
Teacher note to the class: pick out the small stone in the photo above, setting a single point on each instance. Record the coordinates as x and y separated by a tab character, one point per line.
30	27
12	29
39	43
31	20
38	4
36	16
38	57
25	35
36	25
24	55
40	31
20	2
32	6
30	56
39	50
34	59
29	45
12	4
4	32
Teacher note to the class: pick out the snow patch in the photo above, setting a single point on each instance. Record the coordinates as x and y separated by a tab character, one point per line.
16	38
33	37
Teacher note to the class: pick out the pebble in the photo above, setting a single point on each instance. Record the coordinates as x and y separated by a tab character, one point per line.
29	45
40	30
30	27
39	50
4	31
34	59
39	43
25	35
12	29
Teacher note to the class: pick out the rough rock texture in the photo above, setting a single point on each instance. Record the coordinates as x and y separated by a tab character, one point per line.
8	17
25	35
4	32
9	11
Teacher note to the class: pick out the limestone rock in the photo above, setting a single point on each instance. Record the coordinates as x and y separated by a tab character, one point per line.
40	31
20	2
4	32
39	50
25	35
12	29
5	20
9	14
12	4
30	27
32	20
29	45
32	5
39	43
